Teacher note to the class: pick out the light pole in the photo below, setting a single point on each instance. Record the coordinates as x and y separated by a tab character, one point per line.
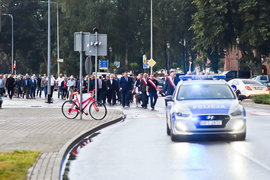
12	60
110	49
151	48
237	56
57	22
168	58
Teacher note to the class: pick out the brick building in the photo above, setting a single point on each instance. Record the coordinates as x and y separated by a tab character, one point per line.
230	62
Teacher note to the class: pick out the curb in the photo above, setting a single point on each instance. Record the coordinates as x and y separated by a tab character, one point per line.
57	170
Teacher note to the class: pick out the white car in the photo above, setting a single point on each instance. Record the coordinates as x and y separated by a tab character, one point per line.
205	107
248	87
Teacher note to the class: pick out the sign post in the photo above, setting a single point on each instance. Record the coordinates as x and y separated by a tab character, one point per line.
93	45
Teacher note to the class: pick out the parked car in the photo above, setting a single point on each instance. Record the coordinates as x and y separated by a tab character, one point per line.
248	87
264	79
233	74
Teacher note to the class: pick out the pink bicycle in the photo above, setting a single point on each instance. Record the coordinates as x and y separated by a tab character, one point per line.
71	109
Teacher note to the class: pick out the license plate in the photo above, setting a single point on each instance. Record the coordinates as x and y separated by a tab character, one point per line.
258	88
211	123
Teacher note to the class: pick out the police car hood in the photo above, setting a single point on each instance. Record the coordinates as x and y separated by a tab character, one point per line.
211	106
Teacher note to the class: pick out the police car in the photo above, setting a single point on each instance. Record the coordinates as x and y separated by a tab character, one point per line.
201	106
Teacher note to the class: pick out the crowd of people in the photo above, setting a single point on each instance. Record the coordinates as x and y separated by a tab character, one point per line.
110	89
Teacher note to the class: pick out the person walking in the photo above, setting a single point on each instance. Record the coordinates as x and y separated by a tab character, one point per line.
125	83
44	84
71	84
111	90
26	86
51	85
1	85
117	87
92	83
138	94
64	88
39	88
10	84
101	88
59	80
4	84
18	85
170	84
152	88
143	86
33	86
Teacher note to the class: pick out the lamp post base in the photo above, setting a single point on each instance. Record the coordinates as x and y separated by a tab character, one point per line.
49	99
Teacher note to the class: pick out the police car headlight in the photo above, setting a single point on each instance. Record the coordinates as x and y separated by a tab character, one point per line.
238	112
181	114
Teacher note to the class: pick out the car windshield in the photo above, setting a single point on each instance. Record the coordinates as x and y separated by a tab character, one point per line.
251	82
204	91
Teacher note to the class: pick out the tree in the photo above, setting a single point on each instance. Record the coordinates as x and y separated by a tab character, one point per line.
218	23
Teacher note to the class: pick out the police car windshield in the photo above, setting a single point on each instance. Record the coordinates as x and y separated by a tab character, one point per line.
204	91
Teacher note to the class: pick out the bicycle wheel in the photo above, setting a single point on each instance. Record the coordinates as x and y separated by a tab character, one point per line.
70	109
97	110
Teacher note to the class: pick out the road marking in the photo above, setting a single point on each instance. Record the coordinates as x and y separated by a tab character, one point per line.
240	150
261	113
145	116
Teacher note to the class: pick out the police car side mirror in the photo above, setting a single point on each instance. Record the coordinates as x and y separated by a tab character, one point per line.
168	98
241	97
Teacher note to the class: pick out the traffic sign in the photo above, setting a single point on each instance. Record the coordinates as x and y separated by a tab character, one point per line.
101	44
151	62
103	64
117	64
144	62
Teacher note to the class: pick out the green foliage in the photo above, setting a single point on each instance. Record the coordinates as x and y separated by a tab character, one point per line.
192	27
262	99
218	23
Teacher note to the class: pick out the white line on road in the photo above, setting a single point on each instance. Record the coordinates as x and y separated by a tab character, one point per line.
239	149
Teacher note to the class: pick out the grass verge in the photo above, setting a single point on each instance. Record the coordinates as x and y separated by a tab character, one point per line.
262	99
15	165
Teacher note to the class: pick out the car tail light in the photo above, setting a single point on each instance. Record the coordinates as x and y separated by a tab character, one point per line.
267	89
248	88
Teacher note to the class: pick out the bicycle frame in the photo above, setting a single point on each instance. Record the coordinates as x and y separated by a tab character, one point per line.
88	100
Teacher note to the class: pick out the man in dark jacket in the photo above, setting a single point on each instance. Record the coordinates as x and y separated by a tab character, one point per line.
143	90
125	84
26	86
170	84
10	84
111	90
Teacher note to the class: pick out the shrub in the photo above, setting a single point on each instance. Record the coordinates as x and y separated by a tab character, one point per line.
262	99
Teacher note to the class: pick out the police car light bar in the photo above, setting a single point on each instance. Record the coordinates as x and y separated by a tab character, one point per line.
202	77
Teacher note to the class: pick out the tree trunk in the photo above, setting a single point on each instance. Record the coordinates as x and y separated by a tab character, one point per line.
126	57
258	68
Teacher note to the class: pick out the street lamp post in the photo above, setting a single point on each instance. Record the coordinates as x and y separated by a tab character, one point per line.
57	22
168	58
237	56
110	49
12	59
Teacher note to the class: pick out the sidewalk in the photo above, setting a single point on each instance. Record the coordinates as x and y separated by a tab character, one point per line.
34	125
250	103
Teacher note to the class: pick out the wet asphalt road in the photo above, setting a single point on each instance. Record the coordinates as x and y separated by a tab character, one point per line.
139	148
